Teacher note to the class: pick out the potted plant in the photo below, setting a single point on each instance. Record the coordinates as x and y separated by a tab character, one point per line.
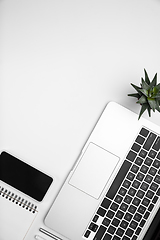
148	94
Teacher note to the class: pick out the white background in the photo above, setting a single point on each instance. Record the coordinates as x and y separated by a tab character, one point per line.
61	62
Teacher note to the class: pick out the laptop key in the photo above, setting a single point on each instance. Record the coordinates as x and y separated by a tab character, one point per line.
137	217
128	217
130	176
115	222
87	233
133	224
148	179
118	180
136	201
140	139
129	232
146	215
136	184
154	200
156	145
140	176
144	169
146	202
120	232
158	156
142	223
134	237
157	179
126	184
131	156
125	238
123	207
150	208
149	141
111	230
134	168
119	214
107	237
95	218
132	209
140	194
116	238
144	186
139	161
114	206
100	233
122	191
152	154
148	161
101	212
144	132
156	163
132	192
118	199
110	214
141	209
106	222
105	203
152	171
136	147
154	186
93	227
158	192
124	224
142	153
128	199
150	194
138	231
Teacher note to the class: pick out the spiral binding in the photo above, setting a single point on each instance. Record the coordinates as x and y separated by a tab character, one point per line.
17	200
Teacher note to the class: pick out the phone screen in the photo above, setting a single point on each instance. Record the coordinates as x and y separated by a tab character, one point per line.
23	177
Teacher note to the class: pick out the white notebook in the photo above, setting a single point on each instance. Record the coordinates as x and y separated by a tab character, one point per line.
16	214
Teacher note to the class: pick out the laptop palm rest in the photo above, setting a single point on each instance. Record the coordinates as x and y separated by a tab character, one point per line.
94	170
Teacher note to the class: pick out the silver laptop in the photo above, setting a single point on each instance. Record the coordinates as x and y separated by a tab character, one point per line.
112	192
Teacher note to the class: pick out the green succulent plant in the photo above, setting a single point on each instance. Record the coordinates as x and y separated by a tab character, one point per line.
148	94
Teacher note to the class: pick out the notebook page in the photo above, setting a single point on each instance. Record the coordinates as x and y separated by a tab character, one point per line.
16	215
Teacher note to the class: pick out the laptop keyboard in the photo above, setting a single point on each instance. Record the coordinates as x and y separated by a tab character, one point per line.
133	194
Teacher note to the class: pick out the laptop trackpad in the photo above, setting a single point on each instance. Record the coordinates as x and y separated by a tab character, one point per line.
94	170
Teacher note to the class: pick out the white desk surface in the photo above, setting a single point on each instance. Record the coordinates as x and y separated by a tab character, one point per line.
61	62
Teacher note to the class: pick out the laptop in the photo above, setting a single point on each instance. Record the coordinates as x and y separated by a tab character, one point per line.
112	192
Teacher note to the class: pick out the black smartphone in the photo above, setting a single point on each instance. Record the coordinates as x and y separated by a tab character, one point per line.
24	177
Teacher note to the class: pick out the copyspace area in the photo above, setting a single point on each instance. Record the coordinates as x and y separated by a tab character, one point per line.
61	62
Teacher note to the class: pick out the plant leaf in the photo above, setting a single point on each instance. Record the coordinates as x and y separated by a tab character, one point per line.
143	108
157	105
152	103
136	87
142	81
157	95
158	109
149	110
144	91
155	90
146	77
154	81
158	86
142	100
136	95
145	85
